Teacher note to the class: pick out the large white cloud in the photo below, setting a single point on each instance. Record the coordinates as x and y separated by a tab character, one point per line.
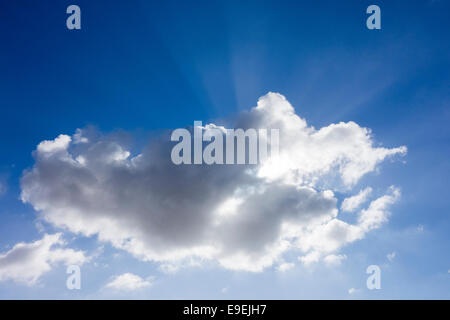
243	216
27	262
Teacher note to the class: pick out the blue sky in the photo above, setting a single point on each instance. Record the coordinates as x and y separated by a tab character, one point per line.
142	66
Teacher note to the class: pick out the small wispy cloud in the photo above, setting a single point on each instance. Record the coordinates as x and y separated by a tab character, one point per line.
285	266
169	268
352	203
391	256
334	260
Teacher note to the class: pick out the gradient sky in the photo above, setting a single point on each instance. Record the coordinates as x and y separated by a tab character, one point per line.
142	66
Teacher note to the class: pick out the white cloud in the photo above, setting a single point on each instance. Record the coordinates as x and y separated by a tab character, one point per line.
377	213
285	266
27	262
79	138
128	282
52	146
334	260
242	216
322	240
310	258
352	203
391	256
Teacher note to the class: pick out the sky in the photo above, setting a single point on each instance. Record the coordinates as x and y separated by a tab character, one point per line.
85	171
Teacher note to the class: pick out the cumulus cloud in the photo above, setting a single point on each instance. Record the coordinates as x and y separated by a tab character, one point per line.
128	282
310	258
350	204
27	262
285	266
245	217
